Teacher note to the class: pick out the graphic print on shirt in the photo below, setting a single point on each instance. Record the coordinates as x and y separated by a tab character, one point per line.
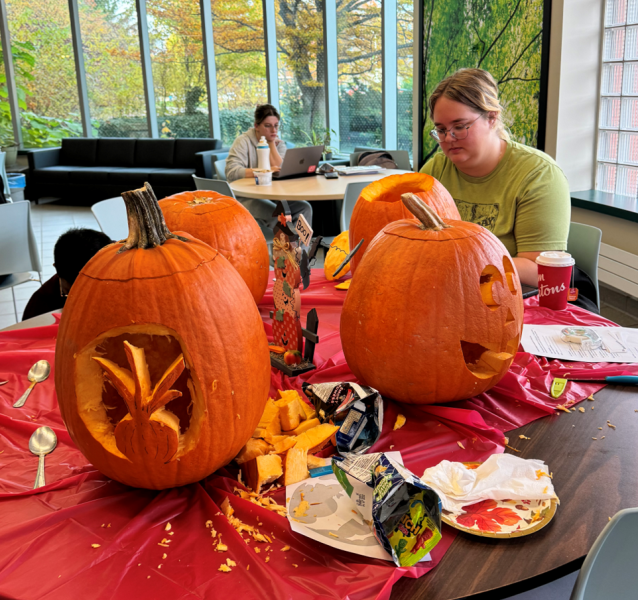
485	215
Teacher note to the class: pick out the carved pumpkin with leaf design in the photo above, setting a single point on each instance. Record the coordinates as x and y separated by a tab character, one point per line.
162	362
435	311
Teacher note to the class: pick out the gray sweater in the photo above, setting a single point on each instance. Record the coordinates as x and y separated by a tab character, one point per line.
243	155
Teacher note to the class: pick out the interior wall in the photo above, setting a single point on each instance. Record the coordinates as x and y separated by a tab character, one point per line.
573	88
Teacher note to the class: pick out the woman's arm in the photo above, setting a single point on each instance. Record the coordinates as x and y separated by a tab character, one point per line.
527	268
275	158
238	160
542	219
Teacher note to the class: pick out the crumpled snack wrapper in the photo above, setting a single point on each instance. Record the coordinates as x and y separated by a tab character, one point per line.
500	477
357	409
403	513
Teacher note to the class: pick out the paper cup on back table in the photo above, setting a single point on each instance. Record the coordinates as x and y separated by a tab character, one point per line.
263	177
554	277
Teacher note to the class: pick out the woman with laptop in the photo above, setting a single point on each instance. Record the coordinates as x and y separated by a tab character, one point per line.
242	159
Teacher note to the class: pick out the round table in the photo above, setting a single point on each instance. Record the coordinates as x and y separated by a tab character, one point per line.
305	188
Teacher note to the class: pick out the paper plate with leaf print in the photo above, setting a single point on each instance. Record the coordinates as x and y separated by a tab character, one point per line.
502	518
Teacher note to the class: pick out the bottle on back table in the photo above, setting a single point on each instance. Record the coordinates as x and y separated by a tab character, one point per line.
263	154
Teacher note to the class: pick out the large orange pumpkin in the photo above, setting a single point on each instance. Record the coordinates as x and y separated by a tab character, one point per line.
380	203
227	226
435	312
162	363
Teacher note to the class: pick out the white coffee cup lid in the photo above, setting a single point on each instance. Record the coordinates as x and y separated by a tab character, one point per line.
555	259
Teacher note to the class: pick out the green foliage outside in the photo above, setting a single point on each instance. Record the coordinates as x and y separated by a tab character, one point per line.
500	36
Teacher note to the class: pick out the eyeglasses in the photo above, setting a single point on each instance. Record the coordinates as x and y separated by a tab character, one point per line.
271	126
458	132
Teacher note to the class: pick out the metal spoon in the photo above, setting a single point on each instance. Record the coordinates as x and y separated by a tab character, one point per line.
42	442
37	373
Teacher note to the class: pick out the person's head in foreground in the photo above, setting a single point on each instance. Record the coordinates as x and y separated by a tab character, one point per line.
73	250
467	118
267	122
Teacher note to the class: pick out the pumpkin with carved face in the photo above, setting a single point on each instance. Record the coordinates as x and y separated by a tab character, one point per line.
162	363
435	311
380	203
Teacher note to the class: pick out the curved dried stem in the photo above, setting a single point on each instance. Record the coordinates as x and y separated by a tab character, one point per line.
424	213
146	225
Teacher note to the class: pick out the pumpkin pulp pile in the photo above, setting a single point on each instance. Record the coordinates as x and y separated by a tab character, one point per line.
162	362
435	310
284	443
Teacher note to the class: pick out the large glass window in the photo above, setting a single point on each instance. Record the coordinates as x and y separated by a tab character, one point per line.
113	68
6	127
360	77
301	70
405	53
240	59
44	70
618	120
179	75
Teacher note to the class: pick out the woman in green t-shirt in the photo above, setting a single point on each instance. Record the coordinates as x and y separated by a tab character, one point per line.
517	192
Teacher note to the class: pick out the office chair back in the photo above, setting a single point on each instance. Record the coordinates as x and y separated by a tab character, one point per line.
353	190
220	168
609	570
215	185
19	250
111	217
584	246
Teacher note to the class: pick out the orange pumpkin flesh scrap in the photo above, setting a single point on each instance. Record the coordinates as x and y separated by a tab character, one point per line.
262	471
380	204
224	224
339	249
307	410
296	466
290	413
138	296
284	445
416	300
305	426
316	438
254	447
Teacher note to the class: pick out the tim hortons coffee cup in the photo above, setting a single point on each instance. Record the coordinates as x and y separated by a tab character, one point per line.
554	277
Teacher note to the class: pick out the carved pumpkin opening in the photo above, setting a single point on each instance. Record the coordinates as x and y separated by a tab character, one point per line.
510	275
485	361
510	317
489	277
160	352
105	377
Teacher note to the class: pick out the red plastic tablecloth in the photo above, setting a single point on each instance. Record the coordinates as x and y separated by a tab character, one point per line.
46	535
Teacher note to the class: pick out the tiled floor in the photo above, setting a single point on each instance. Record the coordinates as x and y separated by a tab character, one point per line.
49	222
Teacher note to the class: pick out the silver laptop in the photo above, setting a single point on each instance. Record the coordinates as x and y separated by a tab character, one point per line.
300	162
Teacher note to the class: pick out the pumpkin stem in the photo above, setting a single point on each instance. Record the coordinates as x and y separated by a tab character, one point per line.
146	225
424	213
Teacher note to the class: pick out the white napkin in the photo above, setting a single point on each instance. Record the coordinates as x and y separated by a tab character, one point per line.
500	477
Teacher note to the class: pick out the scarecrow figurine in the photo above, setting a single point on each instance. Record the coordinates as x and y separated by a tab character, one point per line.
291	270
287	255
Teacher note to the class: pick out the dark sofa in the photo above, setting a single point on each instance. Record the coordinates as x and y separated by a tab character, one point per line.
93	169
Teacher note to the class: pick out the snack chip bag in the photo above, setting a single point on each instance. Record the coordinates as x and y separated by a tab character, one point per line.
358	410
403	513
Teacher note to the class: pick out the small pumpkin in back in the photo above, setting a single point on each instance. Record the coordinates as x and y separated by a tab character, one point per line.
380	203
162	363
227	226
435	312
337	253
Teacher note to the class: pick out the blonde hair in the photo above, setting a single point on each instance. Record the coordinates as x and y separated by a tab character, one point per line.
475	88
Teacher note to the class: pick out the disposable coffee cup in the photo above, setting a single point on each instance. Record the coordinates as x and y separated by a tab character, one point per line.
263	177
554	277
